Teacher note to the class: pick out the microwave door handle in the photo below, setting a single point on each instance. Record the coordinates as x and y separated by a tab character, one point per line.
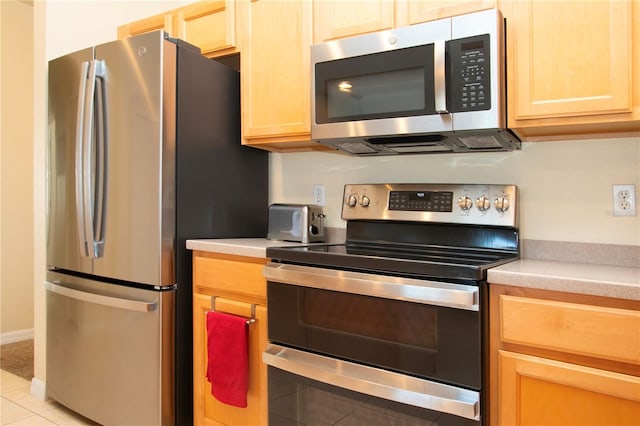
439	76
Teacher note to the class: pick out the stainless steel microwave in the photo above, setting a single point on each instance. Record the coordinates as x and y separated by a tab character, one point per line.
434	87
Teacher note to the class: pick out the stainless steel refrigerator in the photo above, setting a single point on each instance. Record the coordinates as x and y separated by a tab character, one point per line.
144	153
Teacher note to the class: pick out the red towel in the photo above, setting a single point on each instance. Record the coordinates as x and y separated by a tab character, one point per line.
228	358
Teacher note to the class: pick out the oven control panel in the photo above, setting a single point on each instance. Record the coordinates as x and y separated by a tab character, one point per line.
477	204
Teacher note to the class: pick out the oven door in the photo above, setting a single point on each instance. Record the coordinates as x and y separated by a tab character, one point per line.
416	338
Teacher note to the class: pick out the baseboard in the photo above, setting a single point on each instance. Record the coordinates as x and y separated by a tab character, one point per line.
16	336
38	389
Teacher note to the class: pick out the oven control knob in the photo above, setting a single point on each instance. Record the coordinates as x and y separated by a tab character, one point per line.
465	203
365	201
483	203
313	230
352	200
501	203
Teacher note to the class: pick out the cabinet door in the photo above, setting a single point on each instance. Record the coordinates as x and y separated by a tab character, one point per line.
275	73
569	58
539	391
409	12
163	21
210	25
206	409
337	18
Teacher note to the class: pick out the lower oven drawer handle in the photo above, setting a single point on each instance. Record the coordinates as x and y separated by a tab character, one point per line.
421	291
375	382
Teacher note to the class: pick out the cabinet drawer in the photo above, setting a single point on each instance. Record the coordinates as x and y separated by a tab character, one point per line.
602	332
228	273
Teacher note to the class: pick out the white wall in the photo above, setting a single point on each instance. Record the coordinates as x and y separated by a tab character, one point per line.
565	187
16	171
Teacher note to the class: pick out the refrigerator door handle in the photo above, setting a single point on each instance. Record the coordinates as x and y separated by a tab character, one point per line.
79	174
102	141
114	302
91	159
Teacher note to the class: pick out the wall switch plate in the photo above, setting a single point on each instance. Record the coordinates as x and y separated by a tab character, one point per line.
318	195
624	200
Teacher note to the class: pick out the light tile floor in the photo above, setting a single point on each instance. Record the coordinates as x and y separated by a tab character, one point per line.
19	407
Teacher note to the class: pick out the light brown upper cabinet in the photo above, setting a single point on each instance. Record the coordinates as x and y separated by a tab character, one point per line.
570	67
275	76
162	21
573	67
334	19
409	12
210	25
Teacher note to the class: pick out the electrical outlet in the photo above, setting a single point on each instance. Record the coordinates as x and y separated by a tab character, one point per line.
624	200
318	194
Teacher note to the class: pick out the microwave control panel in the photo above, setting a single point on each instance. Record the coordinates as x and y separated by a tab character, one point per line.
469	74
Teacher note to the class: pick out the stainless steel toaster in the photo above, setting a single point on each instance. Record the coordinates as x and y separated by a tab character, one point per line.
296	222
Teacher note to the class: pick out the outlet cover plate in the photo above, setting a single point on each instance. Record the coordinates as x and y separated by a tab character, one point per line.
624	200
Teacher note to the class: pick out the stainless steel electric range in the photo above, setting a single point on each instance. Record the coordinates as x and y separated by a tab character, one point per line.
390	327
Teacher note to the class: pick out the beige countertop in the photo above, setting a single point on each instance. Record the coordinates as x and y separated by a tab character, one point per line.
250	247
598	280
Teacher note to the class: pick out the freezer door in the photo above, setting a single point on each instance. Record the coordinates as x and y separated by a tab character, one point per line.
139	215
110	351
65	221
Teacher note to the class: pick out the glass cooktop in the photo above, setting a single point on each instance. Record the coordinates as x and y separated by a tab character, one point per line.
450	263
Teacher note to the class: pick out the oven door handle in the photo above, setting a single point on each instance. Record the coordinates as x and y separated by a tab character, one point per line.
376	382
389	287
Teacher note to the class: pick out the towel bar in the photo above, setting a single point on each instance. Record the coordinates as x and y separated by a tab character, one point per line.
253	310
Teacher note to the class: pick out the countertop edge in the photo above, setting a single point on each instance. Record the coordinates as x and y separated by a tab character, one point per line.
248	247
619	282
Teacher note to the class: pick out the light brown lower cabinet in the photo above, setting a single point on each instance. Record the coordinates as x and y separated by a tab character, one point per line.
237	283
540	391
563	359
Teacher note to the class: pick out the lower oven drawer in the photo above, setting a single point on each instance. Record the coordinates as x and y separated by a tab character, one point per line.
306	388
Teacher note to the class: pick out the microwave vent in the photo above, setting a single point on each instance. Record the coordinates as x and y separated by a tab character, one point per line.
480	142
416	140
356	147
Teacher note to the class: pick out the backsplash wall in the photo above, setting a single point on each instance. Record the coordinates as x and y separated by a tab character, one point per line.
565	187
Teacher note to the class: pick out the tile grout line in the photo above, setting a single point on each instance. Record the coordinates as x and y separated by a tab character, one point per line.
17	403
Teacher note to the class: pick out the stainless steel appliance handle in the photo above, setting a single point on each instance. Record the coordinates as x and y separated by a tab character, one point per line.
102	140
87	159
114	302
439	75
390	287
88	168
79	160
375	382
